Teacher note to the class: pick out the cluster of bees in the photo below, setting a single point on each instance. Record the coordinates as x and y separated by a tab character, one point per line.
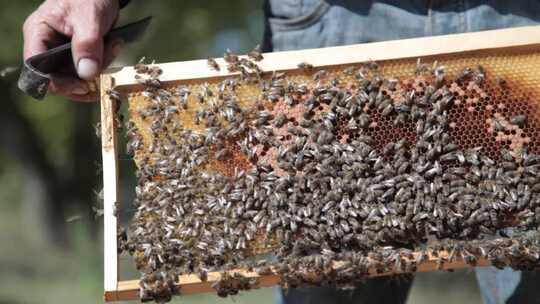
300	172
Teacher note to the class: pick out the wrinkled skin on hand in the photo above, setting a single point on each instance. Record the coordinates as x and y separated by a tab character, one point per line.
85	22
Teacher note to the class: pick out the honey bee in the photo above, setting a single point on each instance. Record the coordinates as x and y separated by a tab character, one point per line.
212	63
230	58
305	66
256	54
519	120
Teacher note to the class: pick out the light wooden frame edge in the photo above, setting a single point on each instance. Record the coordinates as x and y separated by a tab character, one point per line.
122	79
110	187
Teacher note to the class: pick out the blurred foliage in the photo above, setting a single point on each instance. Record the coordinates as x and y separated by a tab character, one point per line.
189	29
49	155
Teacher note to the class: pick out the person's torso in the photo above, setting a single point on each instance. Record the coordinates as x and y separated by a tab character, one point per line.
298	24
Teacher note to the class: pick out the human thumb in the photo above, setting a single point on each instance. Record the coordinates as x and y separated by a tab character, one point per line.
87	48
87	41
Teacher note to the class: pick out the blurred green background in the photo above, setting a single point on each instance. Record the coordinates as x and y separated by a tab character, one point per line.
50	241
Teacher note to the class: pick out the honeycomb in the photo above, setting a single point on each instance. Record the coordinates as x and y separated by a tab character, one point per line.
494	112
510	89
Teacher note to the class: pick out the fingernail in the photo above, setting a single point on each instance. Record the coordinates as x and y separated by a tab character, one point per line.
87	68
80	91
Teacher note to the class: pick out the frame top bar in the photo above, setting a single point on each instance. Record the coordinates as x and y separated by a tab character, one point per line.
528	36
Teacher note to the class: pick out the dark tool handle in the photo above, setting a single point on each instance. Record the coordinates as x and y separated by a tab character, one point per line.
34	78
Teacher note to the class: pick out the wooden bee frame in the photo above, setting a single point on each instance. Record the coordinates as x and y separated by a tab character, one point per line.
123	80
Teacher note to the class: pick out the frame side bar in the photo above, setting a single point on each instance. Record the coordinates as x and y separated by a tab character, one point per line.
110	182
